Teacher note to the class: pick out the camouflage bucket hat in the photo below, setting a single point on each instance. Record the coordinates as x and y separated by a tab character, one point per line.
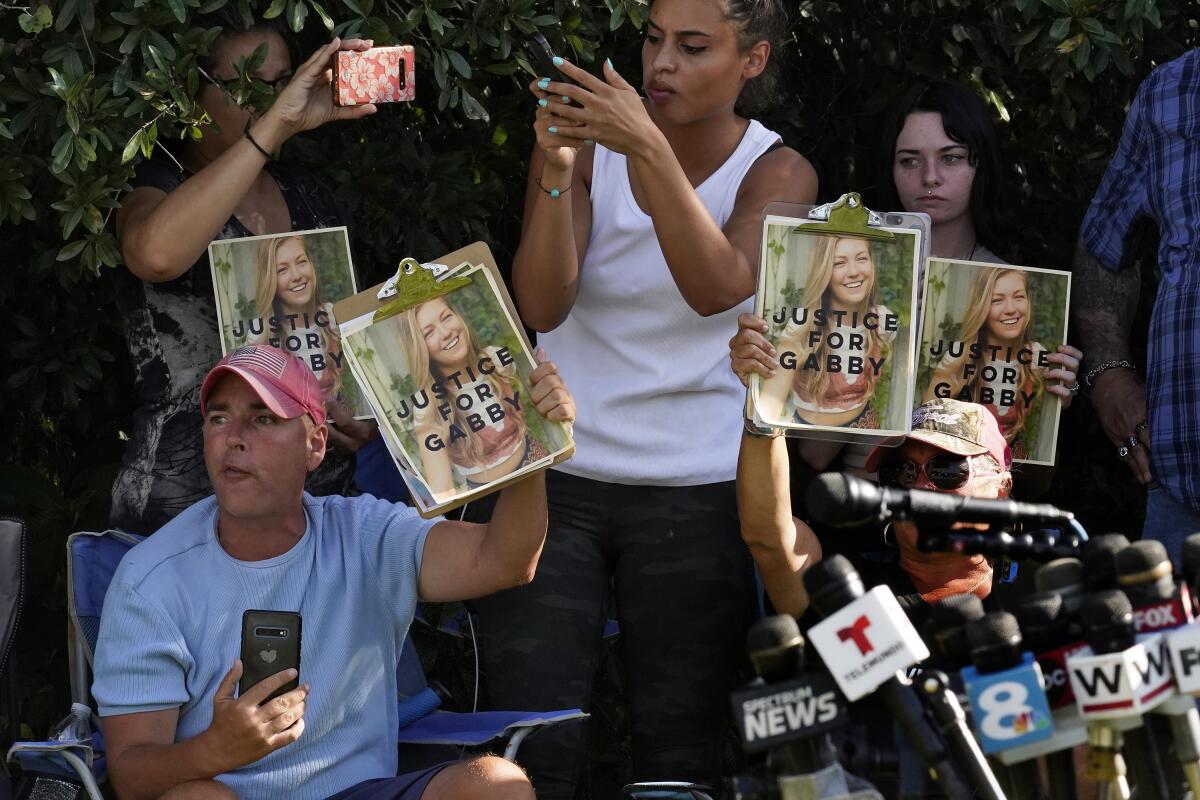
967	429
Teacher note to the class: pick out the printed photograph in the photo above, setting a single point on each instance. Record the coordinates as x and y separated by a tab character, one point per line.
840	313
280	290
449	381
986	333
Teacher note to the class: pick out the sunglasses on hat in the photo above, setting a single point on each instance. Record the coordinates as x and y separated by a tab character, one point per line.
945	471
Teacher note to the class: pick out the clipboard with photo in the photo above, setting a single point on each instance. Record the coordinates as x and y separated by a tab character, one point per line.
442	358
838	289
986	332
280	289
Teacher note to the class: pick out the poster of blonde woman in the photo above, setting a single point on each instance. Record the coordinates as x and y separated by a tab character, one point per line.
986	337
840	314
448	379
280	290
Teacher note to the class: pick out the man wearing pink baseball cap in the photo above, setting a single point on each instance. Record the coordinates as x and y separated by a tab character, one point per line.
167	657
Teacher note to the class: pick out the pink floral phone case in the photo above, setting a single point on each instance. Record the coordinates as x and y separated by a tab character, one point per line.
378	75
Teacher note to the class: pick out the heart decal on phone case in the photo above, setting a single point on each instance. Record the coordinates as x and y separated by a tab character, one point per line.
267	655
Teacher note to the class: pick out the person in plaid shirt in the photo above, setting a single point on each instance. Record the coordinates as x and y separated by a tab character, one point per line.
1154	177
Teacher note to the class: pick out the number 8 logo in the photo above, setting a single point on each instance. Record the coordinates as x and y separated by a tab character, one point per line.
1001	705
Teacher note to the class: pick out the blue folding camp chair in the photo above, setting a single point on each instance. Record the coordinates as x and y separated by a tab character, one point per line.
92	558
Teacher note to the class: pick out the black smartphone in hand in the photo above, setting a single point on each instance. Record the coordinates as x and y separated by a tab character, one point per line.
270	644
541	58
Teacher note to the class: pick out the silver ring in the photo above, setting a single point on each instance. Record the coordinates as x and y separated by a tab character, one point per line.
1141	426
1133	442
1074	388
1122	452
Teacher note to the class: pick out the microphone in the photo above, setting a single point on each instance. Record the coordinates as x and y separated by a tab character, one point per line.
1145	573
866	641
1004	687
1045	625
789	715
845	501
1100	560
1116	680
944	633
1025	545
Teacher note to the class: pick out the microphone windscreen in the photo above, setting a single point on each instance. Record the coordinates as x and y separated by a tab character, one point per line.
1061	574
1107	618
1191	558
1144	572
1100	560
832	583
1042	620
773	633
776	648
994	641
943	631
843	500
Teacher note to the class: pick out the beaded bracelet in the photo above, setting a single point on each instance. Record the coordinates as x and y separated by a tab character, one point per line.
553	192
1090	379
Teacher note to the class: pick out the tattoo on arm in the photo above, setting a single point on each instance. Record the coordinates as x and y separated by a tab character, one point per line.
1103	305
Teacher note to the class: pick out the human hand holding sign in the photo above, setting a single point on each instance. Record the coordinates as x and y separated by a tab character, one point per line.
548	392
242	731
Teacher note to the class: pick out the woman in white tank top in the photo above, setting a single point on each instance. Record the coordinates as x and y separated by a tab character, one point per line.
639	248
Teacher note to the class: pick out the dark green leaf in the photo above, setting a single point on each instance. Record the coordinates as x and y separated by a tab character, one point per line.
71	250
459	63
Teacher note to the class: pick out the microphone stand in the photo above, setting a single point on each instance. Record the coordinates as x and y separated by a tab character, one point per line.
948	713
1105	764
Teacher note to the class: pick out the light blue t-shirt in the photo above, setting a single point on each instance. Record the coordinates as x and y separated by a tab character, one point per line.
172	620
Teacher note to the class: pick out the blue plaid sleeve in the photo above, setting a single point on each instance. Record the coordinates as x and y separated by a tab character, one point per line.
1123	196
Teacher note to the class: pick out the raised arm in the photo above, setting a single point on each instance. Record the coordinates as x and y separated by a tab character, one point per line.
162	234
463	560
555	229
783	546
714	268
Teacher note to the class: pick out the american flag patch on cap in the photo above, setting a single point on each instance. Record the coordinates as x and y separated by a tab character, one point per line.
266	359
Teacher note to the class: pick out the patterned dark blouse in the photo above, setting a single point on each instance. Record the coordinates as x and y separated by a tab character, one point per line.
171	331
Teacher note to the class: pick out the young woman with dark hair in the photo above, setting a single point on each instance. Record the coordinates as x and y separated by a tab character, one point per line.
643	219
941	151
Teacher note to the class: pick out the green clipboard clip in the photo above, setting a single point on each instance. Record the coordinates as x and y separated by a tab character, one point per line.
847	216
415	283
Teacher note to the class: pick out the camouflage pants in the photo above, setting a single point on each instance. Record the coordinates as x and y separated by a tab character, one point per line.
683	583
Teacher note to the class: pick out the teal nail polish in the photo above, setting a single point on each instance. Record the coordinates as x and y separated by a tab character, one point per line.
558	61
543	83
566	99
552	129
543	103
608	62
588	141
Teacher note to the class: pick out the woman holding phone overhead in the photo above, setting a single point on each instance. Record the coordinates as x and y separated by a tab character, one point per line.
642	224
221	186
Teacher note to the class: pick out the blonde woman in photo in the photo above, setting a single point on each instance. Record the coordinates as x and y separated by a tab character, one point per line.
288	290
999	315
458	379
841	278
